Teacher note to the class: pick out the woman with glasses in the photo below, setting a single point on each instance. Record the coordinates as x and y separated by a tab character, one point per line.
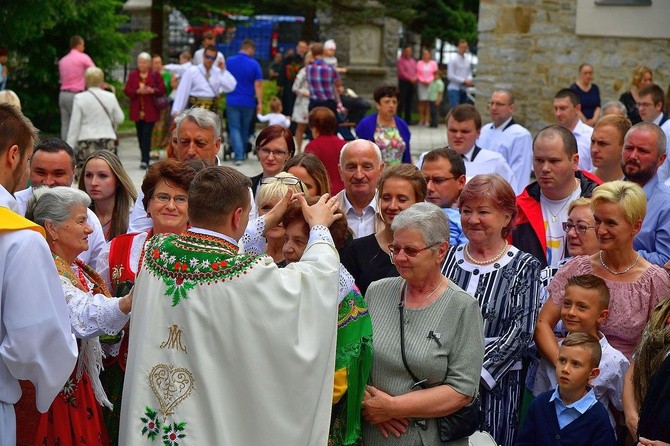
111	190
367	258
636	286
165	188
504	281
274	146
423	323
270	192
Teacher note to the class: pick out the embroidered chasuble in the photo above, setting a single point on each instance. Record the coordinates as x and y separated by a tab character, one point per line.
228	349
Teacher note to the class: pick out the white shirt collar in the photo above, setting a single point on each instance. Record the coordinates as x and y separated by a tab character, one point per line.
468	154
503	125
348	206
7	200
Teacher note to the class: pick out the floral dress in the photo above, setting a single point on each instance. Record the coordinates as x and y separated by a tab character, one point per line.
391	144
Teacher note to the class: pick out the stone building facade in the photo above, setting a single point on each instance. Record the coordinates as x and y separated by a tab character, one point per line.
531	48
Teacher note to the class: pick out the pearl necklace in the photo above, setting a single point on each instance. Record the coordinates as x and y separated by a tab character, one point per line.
484	262
618	273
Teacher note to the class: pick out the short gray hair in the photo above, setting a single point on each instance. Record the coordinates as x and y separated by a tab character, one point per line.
376	148
650	127
55	204
93	76
144	56
426	218
205	119
616	105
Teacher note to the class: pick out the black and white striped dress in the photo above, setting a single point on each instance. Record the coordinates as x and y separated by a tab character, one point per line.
507	292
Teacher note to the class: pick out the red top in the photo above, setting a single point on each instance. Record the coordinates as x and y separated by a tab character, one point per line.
144	102
327	149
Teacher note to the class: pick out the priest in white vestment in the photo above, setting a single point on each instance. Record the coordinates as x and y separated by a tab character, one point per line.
228	349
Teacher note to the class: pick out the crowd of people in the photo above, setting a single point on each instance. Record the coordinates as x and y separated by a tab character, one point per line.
507	286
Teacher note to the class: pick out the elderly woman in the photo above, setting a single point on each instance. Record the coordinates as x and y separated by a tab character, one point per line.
75	416
165	188
367	258
142	87
311	171
642	76
111	190
636	286
353	356
607	146
385	129
274	145
404	309
504	281
96	114
270	192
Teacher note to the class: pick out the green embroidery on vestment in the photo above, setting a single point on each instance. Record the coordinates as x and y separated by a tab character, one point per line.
186	260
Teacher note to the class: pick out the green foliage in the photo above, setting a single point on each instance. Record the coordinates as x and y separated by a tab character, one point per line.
38	32
448	20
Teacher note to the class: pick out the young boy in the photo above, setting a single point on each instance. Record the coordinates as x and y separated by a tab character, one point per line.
570	414
585	307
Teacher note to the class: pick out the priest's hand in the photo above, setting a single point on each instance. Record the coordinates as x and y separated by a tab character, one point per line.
323	212
274	216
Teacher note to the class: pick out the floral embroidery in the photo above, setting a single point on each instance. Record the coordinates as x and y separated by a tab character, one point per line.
152	425
186	260
172	433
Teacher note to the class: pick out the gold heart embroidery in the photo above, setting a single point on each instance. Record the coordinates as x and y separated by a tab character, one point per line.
171	386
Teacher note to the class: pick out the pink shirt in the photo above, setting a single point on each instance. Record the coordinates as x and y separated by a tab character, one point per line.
71	69
406	68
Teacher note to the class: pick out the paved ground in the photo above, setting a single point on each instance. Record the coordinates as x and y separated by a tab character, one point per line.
423	140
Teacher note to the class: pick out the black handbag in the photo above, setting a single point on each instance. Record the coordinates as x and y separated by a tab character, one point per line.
460	424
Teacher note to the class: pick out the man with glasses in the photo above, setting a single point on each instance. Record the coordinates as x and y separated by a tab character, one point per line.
246	98
208	39
201	85
511	140
643	154
444	171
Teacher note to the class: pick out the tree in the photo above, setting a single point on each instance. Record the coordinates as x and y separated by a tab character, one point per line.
37	33
447	20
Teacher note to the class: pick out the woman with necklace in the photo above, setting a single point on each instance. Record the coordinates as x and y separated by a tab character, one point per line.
111	190
386	129
505	283
75	416
636	286
431	322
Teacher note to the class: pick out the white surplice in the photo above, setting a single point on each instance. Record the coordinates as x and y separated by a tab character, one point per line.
231	350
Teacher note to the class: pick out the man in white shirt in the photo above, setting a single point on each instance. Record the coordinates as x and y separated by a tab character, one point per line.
459	75
463	126
36	341
208	39
53	164
508	138
202	84
360	167
651	106
566	111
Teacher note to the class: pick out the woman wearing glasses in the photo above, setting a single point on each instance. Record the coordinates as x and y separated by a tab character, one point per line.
436	333
504	281
274	146
367	258
270	192
165	189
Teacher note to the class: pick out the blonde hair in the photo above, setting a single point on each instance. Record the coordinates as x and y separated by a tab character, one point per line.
93	76
581	201
638	74
9	97
629	196
277	189
275	105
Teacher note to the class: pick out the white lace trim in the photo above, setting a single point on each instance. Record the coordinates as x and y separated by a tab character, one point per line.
90	359
319	233
252	241
346	284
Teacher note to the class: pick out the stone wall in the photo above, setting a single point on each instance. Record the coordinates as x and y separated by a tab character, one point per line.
368	50
530	47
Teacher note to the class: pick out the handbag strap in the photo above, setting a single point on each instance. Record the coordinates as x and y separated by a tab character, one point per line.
423	383
216	95
111	121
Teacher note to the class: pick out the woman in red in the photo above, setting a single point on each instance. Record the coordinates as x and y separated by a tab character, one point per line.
75	416
142	87
165	189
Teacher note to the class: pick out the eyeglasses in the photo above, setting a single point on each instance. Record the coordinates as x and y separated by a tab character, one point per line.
581	229
211	57
289	181
267	152
409	251
438	180
179	200
497	104
644	104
